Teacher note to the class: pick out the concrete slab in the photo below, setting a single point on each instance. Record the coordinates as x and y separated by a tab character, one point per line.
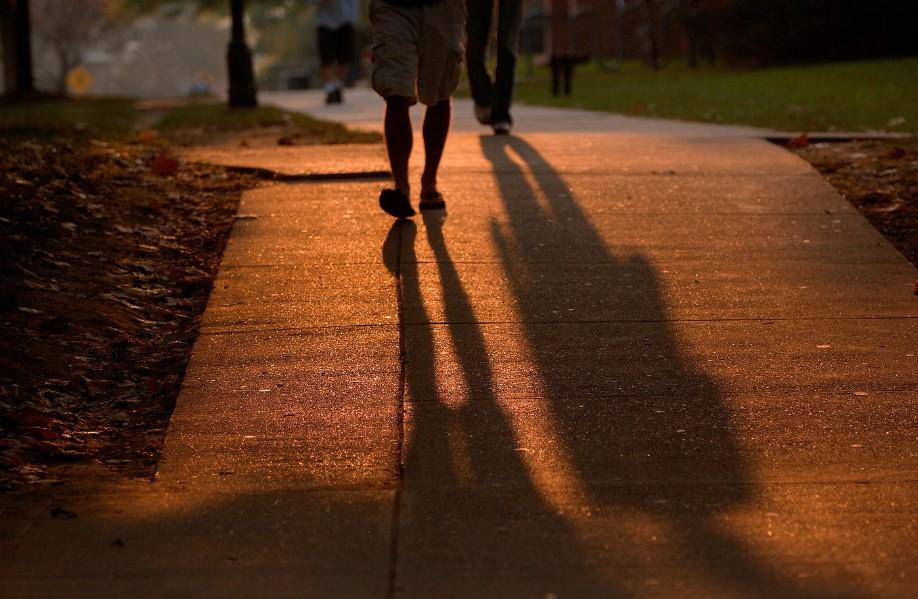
617	194
670	288
312	406
680	439
312	223
658	541
153	543
664	358
673	194
295	161
318	294
628	154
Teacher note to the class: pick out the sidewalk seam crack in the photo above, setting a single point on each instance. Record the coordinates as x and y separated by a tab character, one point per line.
400	423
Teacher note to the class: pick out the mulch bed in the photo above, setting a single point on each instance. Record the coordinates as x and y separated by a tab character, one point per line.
108	256
881	179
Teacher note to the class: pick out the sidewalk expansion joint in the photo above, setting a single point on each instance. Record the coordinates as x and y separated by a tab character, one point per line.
400	419
572	322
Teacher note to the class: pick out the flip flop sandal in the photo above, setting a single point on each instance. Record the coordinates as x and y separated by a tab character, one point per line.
432	200
394	202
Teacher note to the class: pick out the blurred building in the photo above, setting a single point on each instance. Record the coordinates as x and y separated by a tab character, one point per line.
164	55
161	57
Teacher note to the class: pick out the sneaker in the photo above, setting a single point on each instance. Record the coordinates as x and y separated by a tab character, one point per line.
483	114
502	128
333	96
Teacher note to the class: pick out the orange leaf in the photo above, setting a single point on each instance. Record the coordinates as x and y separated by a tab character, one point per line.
147	135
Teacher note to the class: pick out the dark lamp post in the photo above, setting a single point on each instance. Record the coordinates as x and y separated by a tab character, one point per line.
239	60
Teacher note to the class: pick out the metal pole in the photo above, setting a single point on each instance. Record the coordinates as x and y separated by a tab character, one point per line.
242	92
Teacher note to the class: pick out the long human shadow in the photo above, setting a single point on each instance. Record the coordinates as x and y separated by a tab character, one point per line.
472	522
646	429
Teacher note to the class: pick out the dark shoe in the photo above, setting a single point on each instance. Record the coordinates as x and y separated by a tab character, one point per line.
333	97
432	200
502	128
394	202
483	114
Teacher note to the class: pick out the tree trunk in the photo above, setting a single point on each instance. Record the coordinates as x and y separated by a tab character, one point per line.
16	34
242	91
8	40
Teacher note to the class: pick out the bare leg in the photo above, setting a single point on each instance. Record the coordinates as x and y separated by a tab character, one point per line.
399	140
436	128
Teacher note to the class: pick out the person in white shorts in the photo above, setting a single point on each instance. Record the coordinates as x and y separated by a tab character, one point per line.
417	56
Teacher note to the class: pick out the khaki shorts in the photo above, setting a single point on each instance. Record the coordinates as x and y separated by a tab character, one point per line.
417	50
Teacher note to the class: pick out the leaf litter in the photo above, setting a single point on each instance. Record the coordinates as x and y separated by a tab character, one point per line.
107	256
881	179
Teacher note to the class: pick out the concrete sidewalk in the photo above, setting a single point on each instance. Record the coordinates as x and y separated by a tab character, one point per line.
363	109
621	364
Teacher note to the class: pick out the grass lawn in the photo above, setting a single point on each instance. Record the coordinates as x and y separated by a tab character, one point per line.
217	117
857	96
56	118
117	119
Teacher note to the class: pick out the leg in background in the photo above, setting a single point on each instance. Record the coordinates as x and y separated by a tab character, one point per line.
476	49
509	20
435	130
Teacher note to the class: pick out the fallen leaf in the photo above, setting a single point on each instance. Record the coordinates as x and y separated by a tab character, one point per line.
48	434
164	165
801	141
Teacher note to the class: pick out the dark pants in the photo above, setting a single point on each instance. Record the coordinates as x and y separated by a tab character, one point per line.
336	46
499	93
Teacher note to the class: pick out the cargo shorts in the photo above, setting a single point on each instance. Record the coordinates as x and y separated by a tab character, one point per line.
417	50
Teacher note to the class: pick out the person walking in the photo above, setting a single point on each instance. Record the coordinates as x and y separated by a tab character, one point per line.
493	97
335	20
417	56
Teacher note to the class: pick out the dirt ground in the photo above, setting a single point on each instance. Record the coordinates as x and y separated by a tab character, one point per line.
108	254
881	179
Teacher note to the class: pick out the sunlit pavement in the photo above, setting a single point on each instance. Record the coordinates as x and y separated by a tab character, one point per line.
662	363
